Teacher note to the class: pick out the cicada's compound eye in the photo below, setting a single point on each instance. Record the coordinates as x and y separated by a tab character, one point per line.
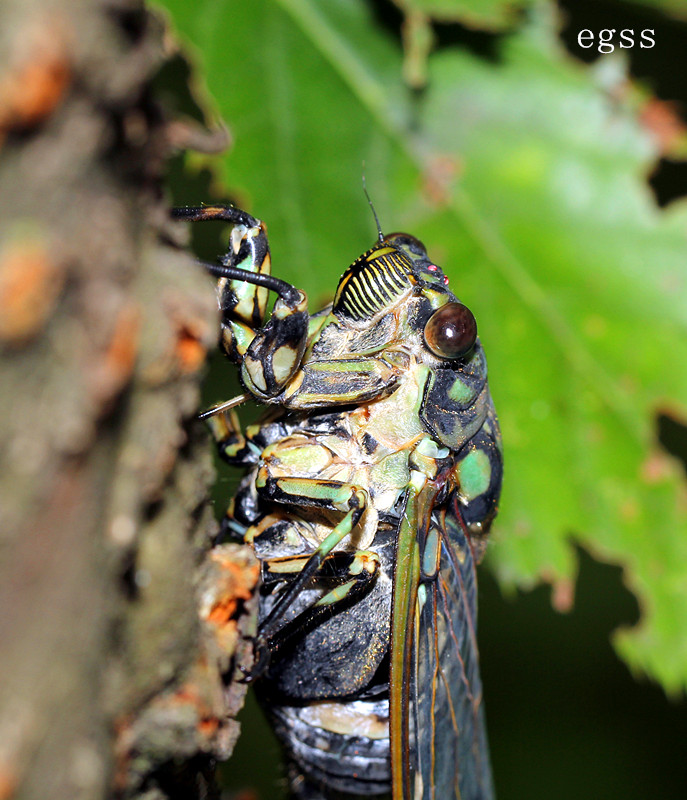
451	331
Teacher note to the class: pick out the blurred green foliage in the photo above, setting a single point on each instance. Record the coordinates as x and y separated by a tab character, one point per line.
486	14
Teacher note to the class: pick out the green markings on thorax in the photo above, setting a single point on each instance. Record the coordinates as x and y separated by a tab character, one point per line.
474	474
461	392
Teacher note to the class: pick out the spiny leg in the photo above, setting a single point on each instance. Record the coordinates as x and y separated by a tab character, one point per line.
351	499
217	212
269	352
353	572
243	304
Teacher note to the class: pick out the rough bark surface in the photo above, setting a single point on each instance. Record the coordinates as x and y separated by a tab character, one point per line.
117	629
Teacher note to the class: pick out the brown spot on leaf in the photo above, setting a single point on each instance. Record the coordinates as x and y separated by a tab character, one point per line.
29	284
563	595
656	468
439	177
663	122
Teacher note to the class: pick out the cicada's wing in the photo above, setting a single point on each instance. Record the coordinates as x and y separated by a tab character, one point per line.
448	735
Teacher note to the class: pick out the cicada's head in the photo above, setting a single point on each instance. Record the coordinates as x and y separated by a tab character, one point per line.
396	277
393	300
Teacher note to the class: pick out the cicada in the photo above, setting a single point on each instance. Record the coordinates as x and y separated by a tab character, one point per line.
371	482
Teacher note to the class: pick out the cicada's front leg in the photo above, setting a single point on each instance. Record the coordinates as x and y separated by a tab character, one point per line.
244	448
269	353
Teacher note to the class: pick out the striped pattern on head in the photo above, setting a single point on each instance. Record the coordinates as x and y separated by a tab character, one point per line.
373	282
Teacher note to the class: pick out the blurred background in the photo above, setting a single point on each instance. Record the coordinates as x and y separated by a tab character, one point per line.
566	717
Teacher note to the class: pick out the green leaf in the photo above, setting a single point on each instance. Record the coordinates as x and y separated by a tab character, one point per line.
526	178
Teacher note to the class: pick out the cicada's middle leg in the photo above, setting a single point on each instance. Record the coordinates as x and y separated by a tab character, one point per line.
269	352
286	478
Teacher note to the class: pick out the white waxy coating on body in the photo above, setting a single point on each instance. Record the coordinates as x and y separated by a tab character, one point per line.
353	718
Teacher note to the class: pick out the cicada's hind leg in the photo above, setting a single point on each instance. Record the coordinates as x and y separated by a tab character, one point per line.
269	352
351	574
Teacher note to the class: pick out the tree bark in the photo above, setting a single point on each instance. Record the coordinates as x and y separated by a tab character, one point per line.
117	628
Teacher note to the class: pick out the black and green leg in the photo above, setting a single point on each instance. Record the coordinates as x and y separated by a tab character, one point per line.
269	353
351	575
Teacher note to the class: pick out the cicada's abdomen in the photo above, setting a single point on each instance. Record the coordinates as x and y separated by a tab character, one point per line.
335	747
326	688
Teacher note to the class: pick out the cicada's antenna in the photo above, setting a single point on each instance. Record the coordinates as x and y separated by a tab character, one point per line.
379	227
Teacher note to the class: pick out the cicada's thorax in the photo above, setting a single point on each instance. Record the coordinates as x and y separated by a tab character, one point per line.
381	310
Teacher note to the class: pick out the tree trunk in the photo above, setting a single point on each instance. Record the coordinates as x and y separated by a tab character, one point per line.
117	629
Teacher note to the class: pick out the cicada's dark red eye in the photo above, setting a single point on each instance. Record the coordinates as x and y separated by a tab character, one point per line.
451	331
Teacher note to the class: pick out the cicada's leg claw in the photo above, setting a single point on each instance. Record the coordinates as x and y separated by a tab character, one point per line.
262	658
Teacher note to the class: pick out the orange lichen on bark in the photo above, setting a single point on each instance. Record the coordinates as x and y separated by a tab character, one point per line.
186	348
208	721
229	581
29	284
243	578
208	727
116	365
190	349
37	77
232	582
223	611
8	782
